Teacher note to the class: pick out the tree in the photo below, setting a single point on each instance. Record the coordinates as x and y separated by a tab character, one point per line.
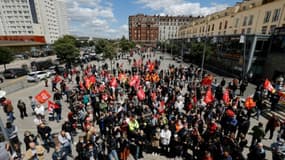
6	56
110	52
91	43
100	45
65	49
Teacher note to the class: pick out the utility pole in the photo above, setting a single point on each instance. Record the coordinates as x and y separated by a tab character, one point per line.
203	57
243	40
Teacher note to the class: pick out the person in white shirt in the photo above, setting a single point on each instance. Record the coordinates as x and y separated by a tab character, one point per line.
40	110
165	136
64	139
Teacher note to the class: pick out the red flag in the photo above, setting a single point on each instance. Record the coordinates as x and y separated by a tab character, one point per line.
226	96
207	81
134	80
249	103
92	79
43	96
151	67
209	96
230	113
57	79
52	105
141	94
267	85
87	82
113	83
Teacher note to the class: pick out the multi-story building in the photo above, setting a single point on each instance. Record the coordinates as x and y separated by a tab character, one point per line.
15	18
143	29
247	17
169	25
151	29
33	18
61	13
256	20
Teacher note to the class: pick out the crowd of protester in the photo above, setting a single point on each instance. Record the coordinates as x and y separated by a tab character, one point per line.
176	112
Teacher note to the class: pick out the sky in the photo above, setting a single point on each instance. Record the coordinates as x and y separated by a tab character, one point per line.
109	18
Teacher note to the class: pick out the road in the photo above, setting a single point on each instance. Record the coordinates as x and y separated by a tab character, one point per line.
28	124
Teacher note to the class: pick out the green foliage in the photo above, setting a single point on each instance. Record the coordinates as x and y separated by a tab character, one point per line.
91	43
197	49
126	45
107	48
65	48
6	56
100	46
109	51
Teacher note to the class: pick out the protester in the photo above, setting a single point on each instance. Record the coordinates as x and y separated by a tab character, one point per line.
164	111
22	108
34	152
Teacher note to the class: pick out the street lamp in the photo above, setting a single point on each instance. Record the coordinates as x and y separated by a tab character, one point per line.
243	40
203	57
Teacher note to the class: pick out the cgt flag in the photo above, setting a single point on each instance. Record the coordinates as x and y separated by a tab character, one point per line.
267	85
209	97
52	105
249	103
43	96
226	97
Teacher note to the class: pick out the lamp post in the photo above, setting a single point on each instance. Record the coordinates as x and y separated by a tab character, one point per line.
203	57
243	40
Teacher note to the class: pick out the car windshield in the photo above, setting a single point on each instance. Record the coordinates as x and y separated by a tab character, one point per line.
32	74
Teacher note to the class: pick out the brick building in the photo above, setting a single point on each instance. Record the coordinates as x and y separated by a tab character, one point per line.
148	30
143	29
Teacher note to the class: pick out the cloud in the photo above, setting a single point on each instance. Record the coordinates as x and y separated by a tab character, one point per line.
181	7
92	18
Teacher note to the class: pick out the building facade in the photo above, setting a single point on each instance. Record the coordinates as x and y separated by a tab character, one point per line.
169	25
151	29
256	20
33	17
15	18
247	17
62	17
143	29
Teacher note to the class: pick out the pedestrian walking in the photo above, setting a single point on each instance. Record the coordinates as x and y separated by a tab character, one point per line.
22	108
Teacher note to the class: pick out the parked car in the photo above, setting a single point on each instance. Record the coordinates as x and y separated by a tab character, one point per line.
21	56
56	70
37	76
41	65
14	72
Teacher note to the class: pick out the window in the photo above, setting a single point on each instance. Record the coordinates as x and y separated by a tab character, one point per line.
244	21
263	30
276	15
213	27
267	16
250	20
237	21
226	25
272	28
220	26
248	30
